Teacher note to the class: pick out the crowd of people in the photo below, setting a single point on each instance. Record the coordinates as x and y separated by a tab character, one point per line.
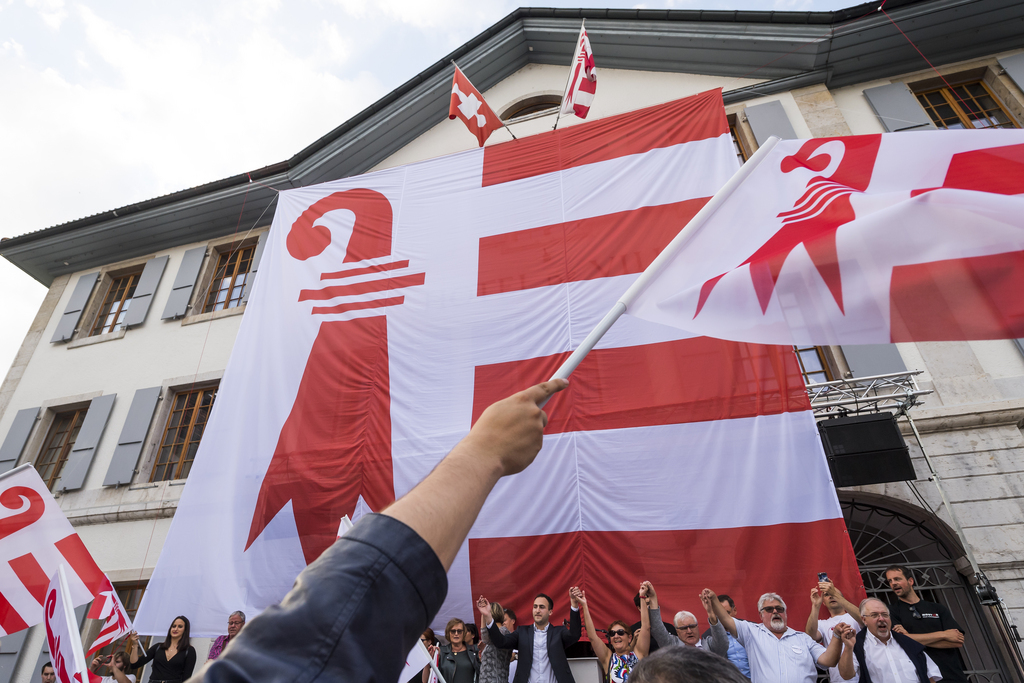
910	641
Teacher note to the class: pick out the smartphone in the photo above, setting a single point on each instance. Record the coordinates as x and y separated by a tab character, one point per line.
822	576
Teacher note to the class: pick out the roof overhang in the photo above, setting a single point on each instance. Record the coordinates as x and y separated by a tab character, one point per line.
788	49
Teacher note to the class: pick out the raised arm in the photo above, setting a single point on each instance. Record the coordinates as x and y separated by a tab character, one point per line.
493	630
812	619
830	657
718	642
846	667
659	633
727	621
600	649
504	441
643	641
828	588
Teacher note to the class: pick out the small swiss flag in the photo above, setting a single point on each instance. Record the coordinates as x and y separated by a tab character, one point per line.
468	104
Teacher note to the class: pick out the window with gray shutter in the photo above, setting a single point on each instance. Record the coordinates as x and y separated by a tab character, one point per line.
73	475
17	437
769	119
1014	67
897	108
10	646
866	360
254	267
184	281
133	434
73	312
145	290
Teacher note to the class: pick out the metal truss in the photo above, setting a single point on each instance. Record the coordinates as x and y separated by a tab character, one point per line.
896	391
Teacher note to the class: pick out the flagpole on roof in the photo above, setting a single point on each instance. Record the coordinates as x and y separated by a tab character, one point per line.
568	80
659	263
505	125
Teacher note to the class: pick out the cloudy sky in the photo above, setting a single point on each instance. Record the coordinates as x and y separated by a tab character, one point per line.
104	104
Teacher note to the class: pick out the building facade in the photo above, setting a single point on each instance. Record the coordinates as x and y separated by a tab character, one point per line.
109	394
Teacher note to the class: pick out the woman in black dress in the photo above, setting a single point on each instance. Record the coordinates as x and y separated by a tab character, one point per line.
173	660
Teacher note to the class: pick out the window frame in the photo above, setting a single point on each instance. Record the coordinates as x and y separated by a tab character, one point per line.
78	414
239	277
511	112
986	76
110	283
167	416
207	272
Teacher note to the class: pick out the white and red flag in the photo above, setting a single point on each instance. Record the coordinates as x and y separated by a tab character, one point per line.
858	240
391	308
36	538
116	623
468	105
582	85
62	636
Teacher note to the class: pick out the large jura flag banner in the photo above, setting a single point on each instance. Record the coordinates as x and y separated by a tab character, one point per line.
36	538
392	308
859	240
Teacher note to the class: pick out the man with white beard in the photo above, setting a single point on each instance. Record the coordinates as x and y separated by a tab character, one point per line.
777	653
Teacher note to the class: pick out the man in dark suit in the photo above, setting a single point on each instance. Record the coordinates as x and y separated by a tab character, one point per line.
541	645
881	655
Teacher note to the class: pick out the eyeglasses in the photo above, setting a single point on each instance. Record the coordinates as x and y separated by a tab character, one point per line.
877	615
914	613
456	630
617	632
688	627
774	609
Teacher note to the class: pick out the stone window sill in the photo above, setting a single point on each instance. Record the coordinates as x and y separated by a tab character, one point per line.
98	339
212	315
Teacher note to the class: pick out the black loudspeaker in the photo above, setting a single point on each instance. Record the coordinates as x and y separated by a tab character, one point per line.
866	449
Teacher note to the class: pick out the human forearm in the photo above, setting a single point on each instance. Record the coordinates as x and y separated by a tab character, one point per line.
846	669
643	643
831	655
505	440
723	616
811	628
937	640
719	641
659	633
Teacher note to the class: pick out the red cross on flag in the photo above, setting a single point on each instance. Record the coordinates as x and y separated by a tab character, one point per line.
582	85
36	538
468	105
392	307
859	240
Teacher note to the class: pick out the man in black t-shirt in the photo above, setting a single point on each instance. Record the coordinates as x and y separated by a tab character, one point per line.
929	623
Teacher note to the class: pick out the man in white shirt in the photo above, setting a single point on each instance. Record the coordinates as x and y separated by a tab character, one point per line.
777	653
883	656
541	645
840	610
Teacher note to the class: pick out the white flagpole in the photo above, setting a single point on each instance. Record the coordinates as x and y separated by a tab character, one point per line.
69	615
572	64
658	264
433	665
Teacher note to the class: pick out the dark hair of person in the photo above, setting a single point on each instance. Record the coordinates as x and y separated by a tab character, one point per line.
509	612
551	603
43	670
122	656
618	622
723	596
685	665
471	628
636	600
908	573
428	633
183	643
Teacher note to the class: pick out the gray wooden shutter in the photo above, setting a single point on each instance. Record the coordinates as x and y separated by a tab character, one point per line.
254	267
866	360
897	108
769	119
73	312
133	434
1014	67
73	475
10	646
144	291
184	281
17	437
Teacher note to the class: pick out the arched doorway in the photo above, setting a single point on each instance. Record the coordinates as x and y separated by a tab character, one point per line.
883	532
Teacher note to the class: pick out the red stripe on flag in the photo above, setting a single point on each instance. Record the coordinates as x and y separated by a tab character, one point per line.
690	380
358	305
958	299
28	571
698	117
352	272
10	620
387	284
743	562
78	556
603	246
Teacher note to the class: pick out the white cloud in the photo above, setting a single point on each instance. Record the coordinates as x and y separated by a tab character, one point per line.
52	12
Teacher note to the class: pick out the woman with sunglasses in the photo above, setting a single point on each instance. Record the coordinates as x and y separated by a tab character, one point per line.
616	658
458	663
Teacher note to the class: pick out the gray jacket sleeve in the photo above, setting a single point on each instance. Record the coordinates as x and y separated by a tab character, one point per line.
380	579
718	641
660	634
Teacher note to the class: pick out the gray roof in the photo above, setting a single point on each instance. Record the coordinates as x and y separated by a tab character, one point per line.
788	49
